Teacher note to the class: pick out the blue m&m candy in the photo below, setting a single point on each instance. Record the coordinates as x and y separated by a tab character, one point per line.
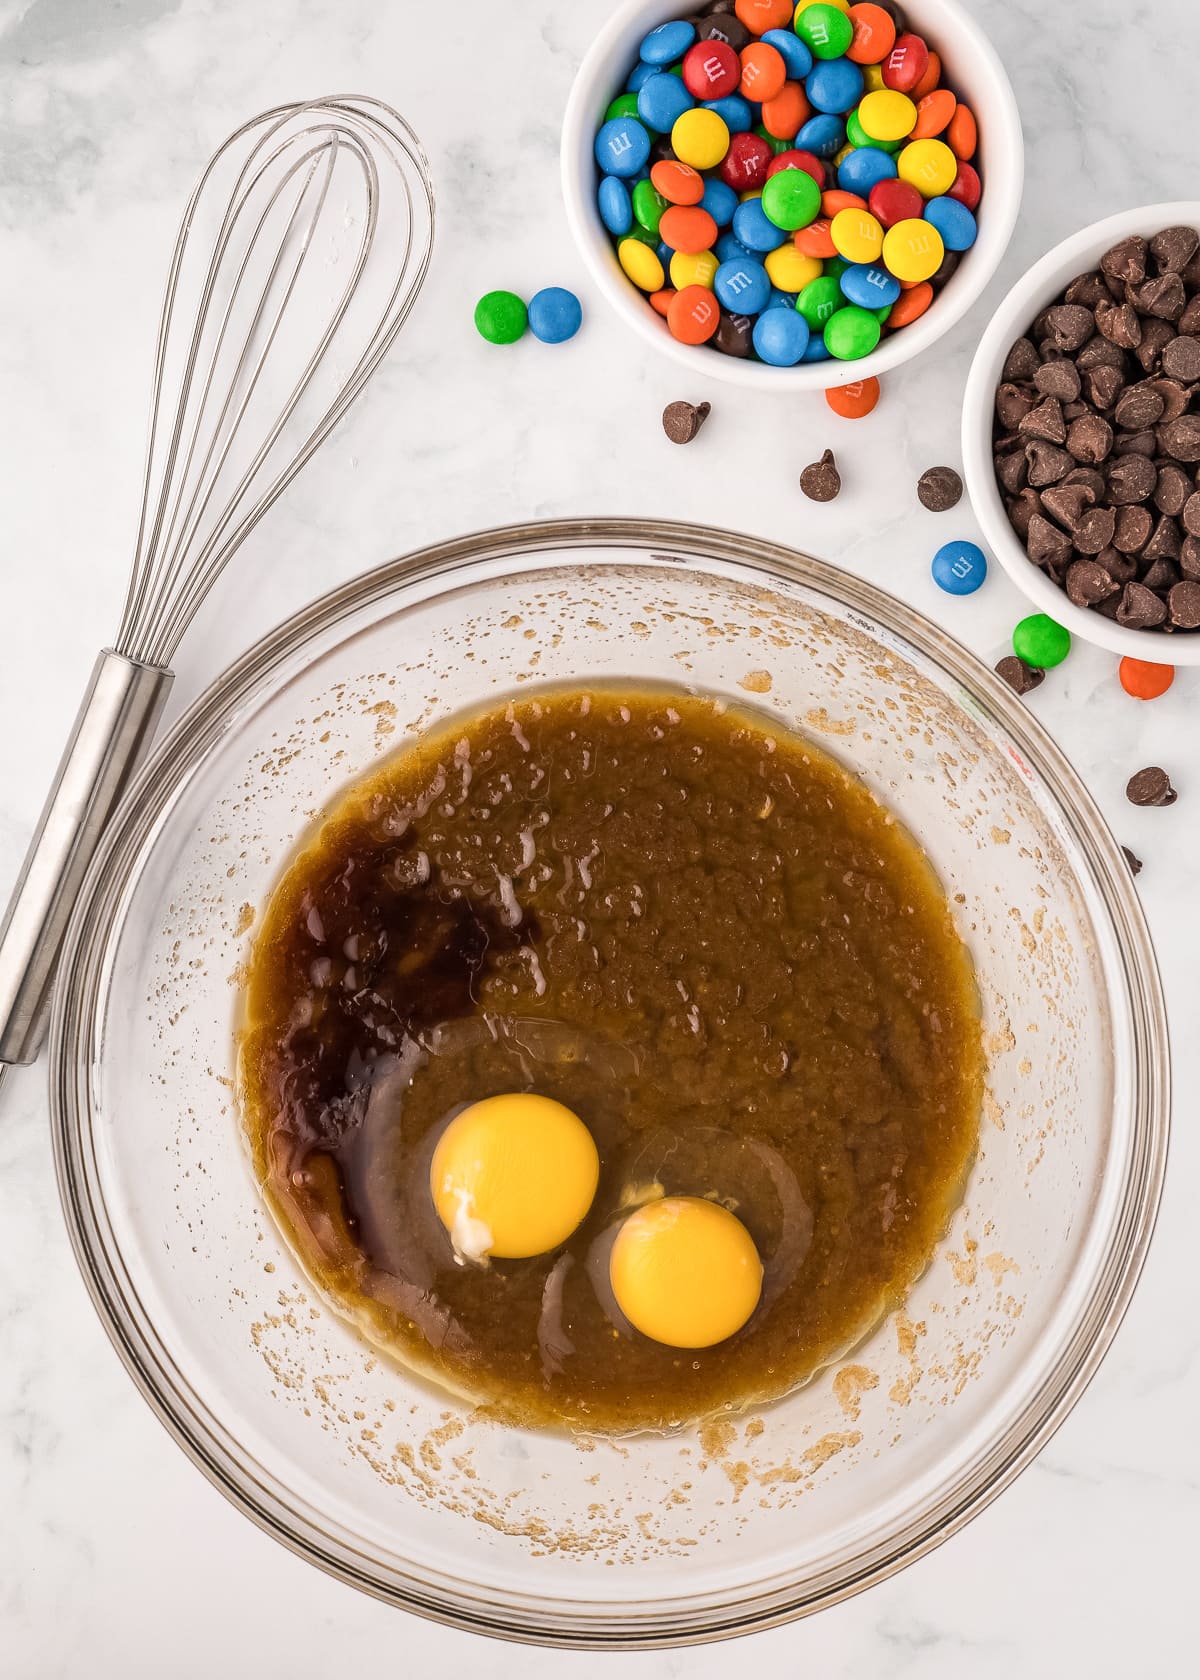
794	52
720	201
835	85
661	100
554	315
864	168
616	211
823	136
869	286
953	221
640	74
668	42
817	349
959	567
735	112
728	248
754	227
622	147
781	337
742	286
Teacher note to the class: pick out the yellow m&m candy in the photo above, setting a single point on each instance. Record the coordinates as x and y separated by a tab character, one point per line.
913	250
700	138
641	264
887	115
857	236
696	268
928	165
789	270
872	77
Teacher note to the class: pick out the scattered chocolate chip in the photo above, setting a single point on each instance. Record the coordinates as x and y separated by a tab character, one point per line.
1045	421
1045	544
1173	489
1021	678
1089	439
1134	862
939	488
1022	362
820	480
1134	525
1012	405
1181	358
1095	531
1131	479
1191	514
1151	786
1140	608
682	420
1180	439
1069	326
1047	463
1058	379
1173	248
1120	324
1125	262
1087	582
1183	602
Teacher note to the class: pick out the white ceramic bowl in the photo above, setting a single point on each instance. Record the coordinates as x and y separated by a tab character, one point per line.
1043	283
971	67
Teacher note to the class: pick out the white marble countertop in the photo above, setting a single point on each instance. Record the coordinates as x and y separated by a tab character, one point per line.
116	1556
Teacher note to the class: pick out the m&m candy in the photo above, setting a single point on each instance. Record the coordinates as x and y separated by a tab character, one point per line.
793	160
959	568
554	315
853	401
1144	679
500	317
1041	641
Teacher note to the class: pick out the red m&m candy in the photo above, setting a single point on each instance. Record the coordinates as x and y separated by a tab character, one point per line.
744	165
893	201
711	69
966	188
905	64
795	159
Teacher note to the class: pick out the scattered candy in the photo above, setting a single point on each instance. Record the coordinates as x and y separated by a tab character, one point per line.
1021	678
682	420
554	315
815	140
959	568
1040	641
1145	680
1134	862
820	480
939	488
854	401
500	317
1151	786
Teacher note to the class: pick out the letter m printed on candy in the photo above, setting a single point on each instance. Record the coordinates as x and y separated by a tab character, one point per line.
619	144
713	69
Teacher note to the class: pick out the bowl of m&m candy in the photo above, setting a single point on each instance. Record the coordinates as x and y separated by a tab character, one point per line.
804	195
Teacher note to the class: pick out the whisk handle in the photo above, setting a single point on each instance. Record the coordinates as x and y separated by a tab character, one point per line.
115	725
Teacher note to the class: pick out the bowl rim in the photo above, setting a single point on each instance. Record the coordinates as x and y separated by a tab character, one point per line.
1004	187
207	1440
1015	313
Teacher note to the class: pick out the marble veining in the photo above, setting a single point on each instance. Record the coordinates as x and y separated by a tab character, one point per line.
116	1557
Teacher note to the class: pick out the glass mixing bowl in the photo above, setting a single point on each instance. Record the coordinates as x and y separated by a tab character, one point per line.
735	1524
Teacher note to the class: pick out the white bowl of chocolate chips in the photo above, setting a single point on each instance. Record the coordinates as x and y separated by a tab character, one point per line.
1081	433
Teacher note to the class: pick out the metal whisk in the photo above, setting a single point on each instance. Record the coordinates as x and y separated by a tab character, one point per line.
301	252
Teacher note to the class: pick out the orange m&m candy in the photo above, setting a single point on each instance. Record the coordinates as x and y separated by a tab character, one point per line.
962	135
763	72
815	240
678	182
693	315
874	34
661	301
931	78
786	114
835	199
912	303
1145	680
761	15
855	400
933	114
688	228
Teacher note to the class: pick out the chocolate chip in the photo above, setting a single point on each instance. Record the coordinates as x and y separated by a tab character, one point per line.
1101	352
1189	558
1184	605
1134	526
1022	510
1156	335
1165	543
1089	477
1174	395
1068	502
1095	530
939	488
1047	464
1140	608
1173	489
1087	582
1012	405
1012	470
734	334
1134	862
1045	544
1121	568
1119	323
1069	326
1181	358
820	480
682	420
1103	385
1075	410
1173	248
1088	289
1137	443
1022	362
1191	514
1058	379
1089	439
1045	421
1160	576
1163	297
1180	439
1140	406
1151	786
1189	321
1021	678
1131	479
1126	261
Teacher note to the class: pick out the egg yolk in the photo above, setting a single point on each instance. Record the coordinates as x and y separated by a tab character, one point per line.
513	1176
685	1272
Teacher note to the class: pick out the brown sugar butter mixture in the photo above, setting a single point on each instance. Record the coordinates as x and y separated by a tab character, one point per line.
696	930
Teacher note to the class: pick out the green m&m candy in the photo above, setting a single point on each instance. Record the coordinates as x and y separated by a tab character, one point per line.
851	332
500	317
776	144
791	199
825	30
624	105
648	206
1040	641
819	300
857	135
